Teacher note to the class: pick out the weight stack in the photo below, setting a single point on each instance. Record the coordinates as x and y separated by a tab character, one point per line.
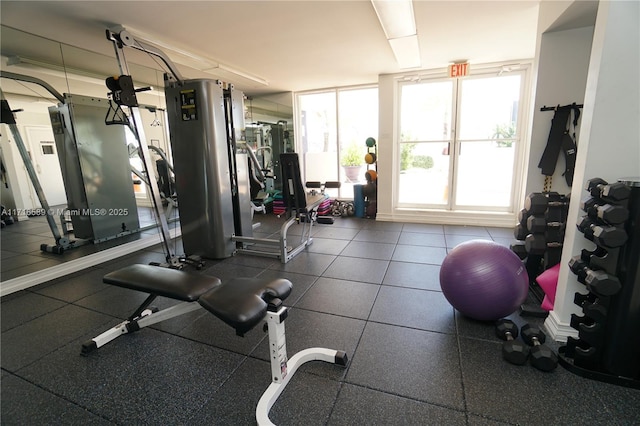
608	344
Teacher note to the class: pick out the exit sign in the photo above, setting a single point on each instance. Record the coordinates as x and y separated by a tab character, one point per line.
459	70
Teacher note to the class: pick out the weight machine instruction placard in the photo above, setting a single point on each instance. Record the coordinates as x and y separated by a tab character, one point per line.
188	105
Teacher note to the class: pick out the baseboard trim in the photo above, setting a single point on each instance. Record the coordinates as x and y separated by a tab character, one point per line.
558	330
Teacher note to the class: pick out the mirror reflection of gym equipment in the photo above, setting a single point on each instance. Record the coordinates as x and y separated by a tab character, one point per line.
100	201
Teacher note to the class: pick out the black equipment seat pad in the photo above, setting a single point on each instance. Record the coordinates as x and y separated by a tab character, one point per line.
242	302
165	282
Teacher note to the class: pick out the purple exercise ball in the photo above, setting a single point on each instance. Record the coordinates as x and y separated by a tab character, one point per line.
484	280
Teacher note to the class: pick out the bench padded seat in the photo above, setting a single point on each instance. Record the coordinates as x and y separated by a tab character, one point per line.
242	302
165	282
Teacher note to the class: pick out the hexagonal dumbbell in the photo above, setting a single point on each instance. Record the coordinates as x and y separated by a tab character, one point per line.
539	224
605	236
537	244
513	351
612	191
609	213
519	249
540	355
539	202
598	282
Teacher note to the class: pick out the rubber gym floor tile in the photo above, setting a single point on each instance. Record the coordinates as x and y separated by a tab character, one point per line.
307	400
31	341
24	260
227	271
337	232
421	309
504	241
533	397
235	402
424	228
25	307
419	254
483	421
620	402
366	235
454	240
350	222
6	254
7	275
327	246
413	275
381	226
75	286
476	231
347	298
361	406
500	232
369	250
416	364
419	239
214	332
141	378
45	408
353	269
306	263
250	260
308	329
301	283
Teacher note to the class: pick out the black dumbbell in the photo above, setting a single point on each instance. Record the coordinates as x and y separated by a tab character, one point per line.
578	266
605	236
520	232
523	215
519	249
601	188
539	202
602	283
537	244
598	282
513	351
539	224
609	213
541	356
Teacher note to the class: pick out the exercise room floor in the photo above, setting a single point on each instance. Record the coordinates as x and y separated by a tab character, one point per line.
369	288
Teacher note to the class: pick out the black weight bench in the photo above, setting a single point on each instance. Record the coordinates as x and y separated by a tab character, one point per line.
242	303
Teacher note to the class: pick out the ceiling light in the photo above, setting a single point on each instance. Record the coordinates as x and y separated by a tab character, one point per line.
399	25
407	51
396	17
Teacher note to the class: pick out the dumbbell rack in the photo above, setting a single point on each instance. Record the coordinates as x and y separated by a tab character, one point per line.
608	343
541	231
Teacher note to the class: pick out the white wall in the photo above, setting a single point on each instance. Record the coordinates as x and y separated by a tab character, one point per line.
609	133
563	61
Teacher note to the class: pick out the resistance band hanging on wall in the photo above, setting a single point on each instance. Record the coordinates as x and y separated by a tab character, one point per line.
560	139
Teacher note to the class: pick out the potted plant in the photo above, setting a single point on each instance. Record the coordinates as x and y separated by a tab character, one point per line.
352	160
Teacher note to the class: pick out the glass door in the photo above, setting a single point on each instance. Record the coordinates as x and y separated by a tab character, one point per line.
458	142
486	142
426	122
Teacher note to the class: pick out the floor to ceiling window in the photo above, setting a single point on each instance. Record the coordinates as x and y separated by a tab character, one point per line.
333	126
458	141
